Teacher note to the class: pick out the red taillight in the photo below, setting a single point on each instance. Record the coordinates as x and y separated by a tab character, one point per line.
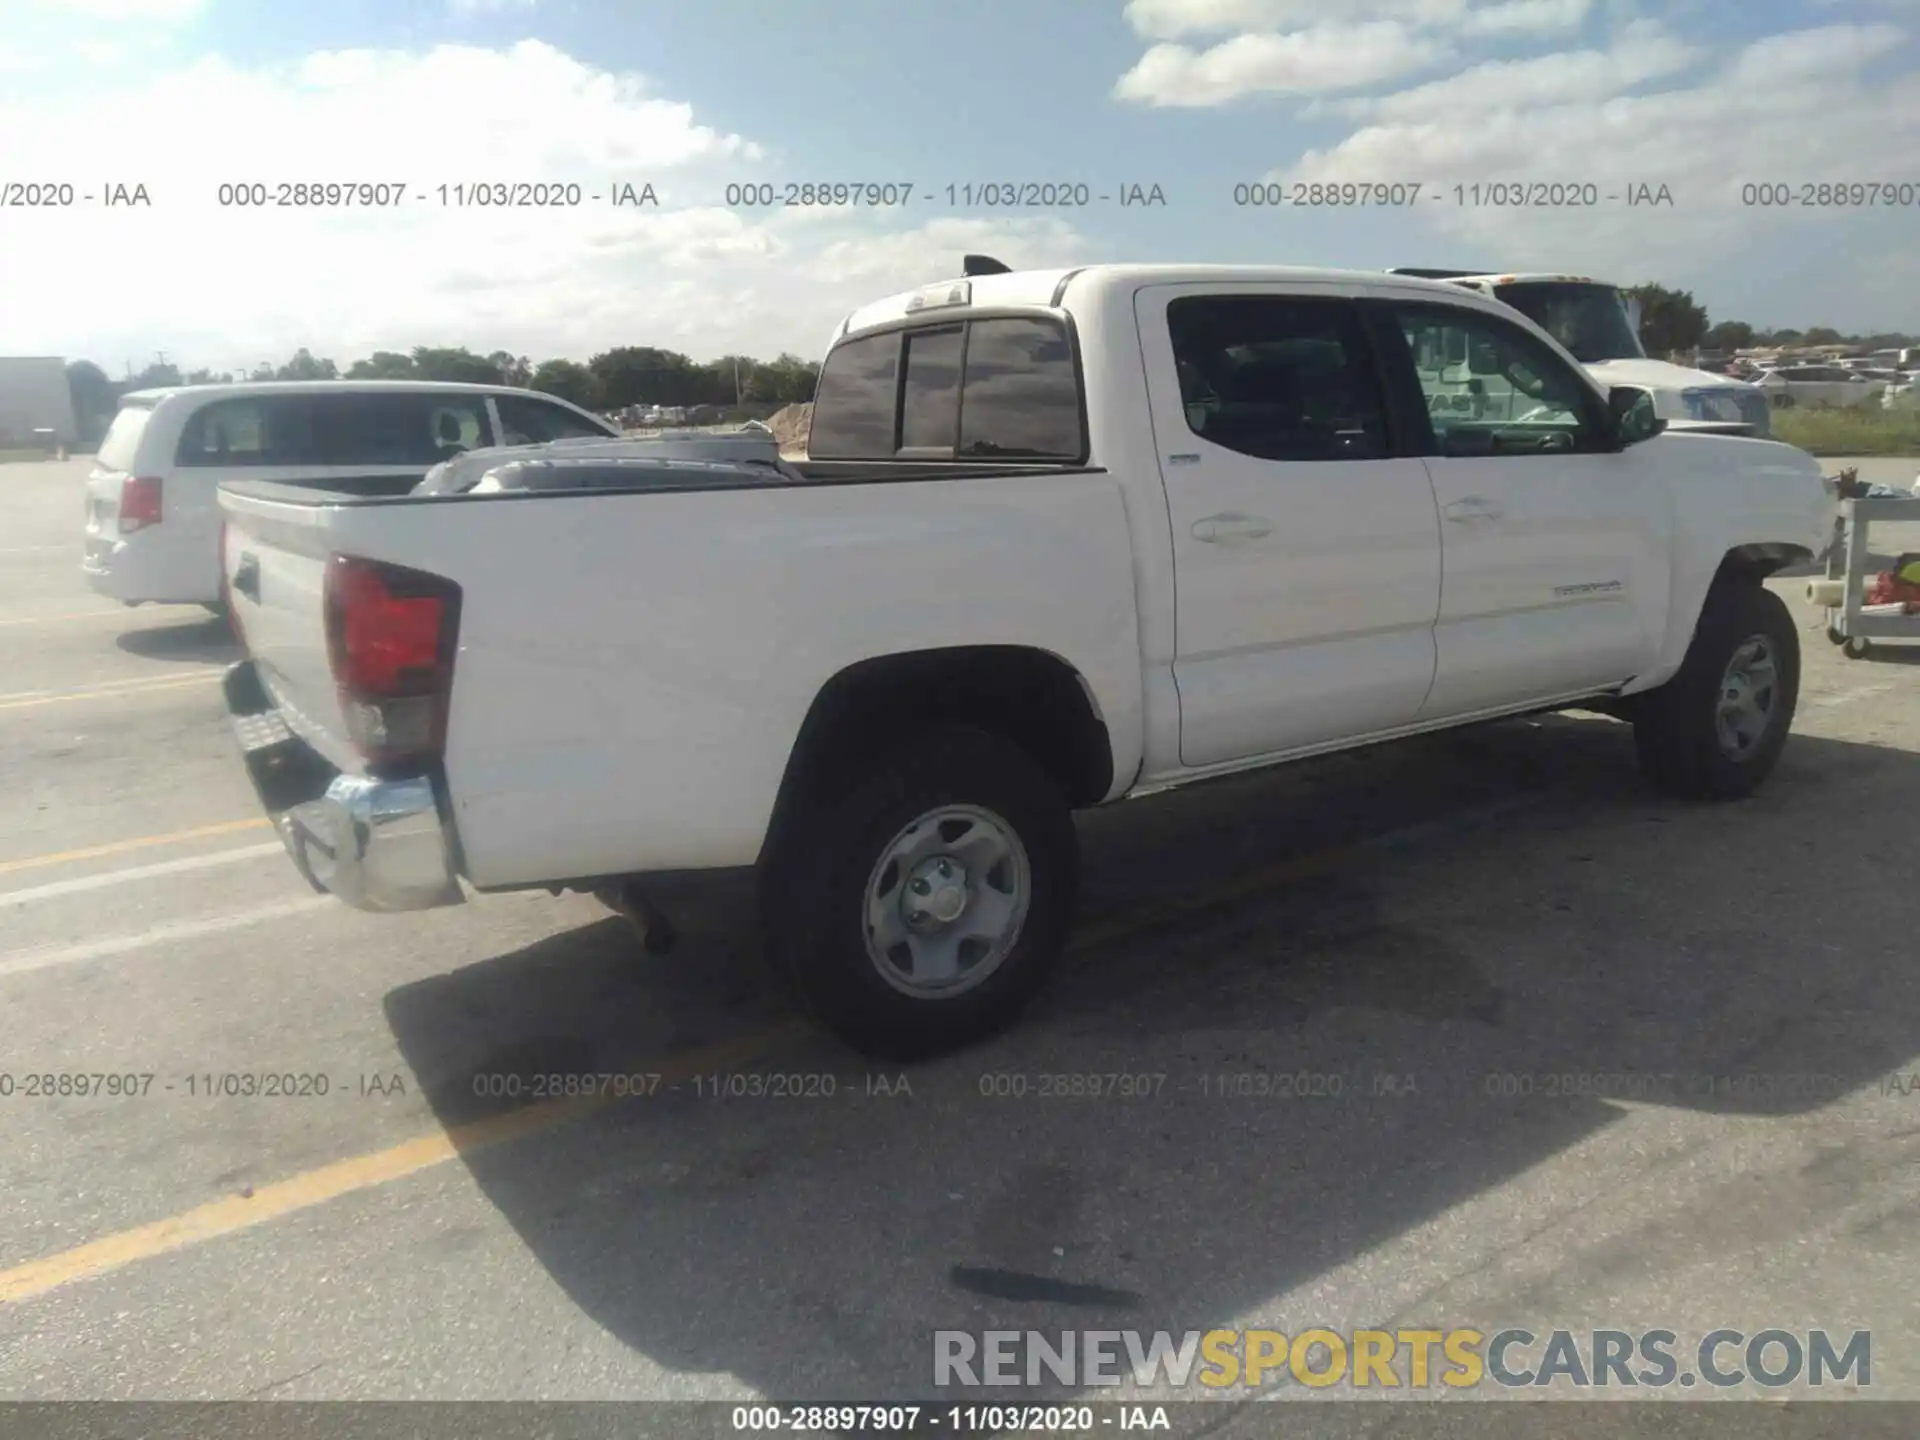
139	503
391	634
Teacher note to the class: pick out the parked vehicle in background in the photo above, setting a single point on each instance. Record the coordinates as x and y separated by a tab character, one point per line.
1824	386
1903	395
1064	537
1599	325
153	521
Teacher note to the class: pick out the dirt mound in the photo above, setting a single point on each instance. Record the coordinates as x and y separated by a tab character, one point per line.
790	427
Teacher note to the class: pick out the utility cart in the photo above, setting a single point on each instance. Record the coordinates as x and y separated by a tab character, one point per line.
1851	622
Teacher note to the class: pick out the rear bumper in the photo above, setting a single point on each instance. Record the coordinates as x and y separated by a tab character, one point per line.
380	845
146	567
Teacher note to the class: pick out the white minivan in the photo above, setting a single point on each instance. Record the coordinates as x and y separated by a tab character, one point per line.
153	521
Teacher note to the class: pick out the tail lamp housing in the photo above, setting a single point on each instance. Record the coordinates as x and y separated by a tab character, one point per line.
391	637
139	503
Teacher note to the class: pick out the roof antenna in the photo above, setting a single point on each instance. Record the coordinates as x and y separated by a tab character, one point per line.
983	265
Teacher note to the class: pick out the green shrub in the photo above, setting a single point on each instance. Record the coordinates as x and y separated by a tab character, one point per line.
1865	430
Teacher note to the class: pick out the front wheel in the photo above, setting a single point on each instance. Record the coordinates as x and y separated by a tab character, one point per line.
922	906
1715	730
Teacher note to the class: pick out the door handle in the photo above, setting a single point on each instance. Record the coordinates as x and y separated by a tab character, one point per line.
1474	507
1225	529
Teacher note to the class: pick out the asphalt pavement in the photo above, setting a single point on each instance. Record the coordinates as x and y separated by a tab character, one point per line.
1392	1025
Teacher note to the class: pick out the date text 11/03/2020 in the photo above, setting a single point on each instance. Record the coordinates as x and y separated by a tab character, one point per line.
961	195
197	1085
1473	195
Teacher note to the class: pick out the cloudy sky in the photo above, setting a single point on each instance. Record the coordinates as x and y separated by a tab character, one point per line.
1195	96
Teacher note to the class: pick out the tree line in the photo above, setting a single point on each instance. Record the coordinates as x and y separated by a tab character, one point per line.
612	380
1672	322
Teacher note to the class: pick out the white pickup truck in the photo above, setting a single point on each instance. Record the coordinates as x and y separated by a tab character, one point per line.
1063	537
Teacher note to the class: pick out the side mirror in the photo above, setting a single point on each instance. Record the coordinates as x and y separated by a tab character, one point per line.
1633	416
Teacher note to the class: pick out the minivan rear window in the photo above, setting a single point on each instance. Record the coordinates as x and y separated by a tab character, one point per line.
402	429
257	430
122	440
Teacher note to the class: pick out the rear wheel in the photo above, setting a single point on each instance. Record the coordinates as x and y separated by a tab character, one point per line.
1715	730
922	906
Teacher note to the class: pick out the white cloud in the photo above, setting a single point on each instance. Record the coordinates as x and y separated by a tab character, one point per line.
1176	19
1643	51
1526	17
1302	62
1798	107
222	287
488	7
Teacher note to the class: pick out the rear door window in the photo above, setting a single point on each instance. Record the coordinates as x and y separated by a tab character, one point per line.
121	445
1281	377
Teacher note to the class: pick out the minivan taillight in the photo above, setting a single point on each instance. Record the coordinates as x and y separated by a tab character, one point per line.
391	634
139	503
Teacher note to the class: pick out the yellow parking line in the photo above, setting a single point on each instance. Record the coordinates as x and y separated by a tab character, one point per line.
172	682
120	847
344	1177
50	619
362	1172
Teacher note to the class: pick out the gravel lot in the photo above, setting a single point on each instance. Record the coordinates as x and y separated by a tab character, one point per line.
1439	924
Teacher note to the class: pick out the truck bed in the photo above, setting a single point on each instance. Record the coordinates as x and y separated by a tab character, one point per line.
600	634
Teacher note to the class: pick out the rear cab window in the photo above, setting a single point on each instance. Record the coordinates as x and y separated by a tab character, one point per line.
994	388
120	447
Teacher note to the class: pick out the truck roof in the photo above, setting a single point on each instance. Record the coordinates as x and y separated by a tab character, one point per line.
1536	279
1047	288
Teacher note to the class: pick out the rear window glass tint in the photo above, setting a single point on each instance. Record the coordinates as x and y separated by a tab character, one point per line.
404	429
527	421
122	440
930	399
1021	396
251	430
853	407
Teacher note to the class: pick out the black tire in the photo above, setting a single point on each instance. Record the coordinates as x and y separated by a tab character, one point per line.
1858	647
815	889
1676	731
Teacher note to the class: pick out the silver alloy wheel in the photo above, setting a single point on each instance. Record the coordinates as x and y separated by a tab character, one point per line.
1745	706
945	902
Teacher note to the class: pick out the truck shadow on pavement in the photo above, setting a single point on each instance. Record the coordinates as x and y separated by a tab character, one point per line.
1426	959
207	639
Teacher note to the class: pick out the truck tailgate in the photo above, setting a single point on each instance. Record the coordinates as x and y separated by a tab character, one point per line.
274	559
